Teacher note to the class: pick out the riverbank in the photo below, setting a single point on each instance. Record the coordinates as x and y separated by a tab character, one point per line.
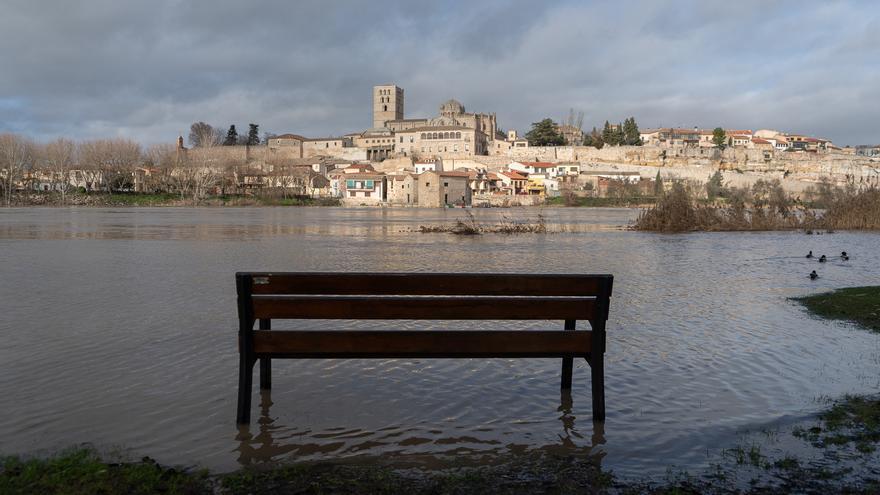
860	305
116	200
845	436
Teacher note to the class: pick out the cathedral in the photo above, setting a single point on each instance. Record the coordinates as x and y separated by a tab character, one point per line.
454	132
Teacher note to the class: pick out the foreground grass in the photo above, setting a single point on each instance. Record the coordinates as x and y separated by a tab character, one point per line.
860	305
82	471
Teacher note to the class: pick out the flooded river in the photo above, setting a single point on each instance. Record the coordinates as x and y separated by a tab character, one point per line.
119	329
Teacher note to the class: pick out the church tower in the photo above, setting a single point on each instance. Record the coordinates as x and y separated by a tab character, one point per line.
387	104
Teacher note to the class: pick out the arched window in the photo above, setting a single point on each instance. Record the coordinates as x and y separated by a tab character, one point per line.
457	135
423	135
434	135
384	108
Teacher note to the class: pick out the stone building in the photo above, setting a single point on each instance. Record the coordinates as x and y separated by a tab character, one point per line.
438	189
403	189
450	141
387	104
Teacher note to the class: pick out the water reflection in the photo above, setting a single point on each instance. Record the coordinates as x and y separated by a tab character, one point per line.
702	339
271	443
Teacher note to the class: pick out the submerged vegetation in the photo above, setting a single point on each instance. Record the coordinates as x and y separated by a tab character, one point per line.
764	206
470	226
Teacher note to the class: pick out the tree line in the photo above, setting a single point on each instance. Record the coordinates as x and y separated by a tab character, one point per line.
203	135
549	133
110	166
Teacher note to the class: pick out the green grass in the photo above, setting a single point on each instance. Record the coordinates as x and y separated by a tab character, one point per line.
860	305
81	471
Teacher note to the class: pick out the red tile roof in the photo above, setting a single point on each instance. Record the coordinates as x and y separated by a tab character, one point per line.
513	175
539	164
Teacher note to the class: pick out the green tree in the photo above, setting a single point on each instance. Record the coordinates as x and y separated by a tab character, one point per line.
715	186
594	139
617	135
658	184
719	138
545	133
253	135
631	134
231	136
607	134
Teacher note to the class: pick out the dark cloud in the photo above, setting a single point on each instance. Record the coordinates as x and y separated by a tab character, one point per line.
149	69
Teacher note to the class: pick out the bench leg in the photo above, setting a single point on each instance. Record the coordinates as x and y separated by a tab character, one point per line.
597	378
567	363
245	383
265	363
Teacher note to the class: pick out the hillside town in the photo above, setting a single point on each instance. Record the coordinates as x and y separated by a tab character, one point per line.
456	158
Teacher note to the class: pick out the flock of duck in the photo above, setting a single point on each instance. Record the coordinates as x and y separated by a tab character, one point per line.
823	259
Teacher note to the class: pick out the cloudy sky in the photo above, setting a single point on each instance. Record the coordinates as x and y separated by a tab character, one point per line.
148	69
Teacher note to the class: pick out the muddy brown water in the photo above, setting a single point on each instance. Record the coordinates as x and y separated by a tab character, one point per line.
119	329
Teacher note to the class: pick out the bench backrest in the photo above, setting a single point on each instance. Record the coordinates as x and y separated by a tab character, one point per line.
427	296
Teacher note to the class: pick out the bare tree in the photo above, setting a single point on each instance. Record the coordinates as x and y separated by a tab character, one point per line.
204	135
115	158
59	157
163	159
196	176
16	155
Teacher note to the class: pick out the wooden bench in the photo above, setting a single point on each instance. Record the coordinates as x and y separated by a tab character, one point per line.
420	296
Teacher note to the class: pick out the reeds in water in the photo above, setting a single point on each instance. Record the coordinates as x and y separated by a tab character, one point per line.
764	206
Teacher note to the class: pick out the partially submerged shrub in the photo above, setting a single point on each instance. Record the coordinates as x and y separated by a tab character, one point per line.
764	206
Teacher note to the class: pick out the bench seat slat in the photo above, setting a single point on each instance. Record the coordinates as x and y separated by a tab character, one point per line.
424	308
451	284
426	344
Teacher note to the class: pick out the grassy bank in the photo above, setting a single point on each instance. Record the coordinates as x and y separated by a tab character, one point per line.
860	305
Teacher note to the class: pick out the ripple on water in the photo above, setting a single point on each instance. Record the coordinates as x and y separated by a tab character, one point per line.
119	329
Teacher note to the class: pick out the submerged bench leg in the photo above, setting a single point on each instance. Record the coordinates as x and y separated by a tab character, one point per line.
245	383
567	363
597	379
265	363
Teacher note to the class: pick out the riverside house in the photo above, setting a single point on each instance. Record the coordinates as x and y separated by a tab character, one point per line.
363	185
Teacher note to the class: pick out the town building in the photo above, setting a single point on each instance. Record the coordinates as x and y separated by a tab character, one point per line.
403	189
436	189
362	185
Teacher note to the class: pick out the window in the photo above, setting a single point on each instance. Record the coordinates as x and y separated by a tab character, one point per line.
467	147
445	184
369	184
401	139
384	108
427	184
349	184
423	137
457	135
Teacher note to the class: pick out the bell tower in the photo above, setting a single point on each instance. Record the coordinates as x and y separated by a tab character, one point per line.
387	104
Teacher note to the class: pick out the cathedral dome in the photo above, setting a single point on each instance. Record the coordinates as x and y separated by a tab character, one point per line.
451	107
